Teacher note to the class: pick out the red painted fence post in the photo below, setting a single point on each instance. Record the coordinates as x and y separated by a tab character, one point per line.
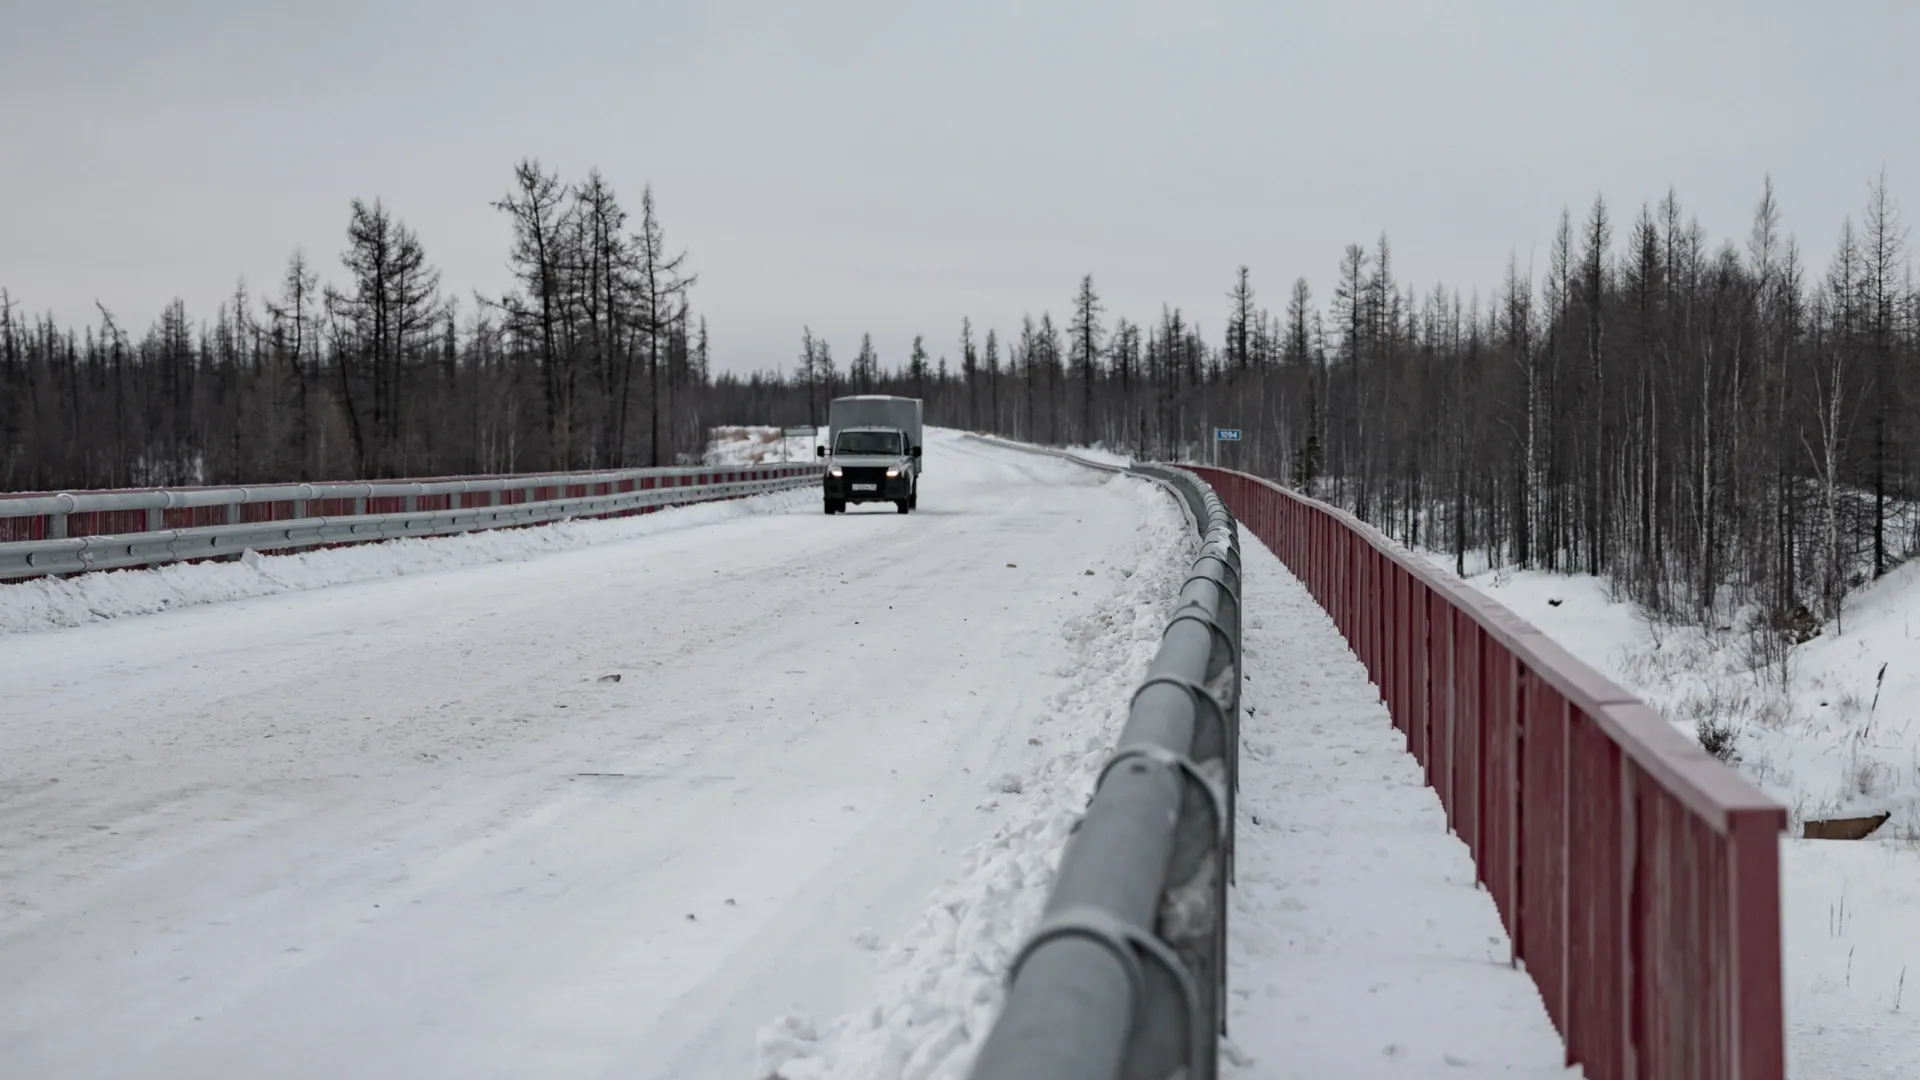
1753	891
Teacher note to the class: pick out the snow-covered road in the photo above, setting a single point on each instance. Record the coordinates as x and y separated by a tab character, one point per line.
414	827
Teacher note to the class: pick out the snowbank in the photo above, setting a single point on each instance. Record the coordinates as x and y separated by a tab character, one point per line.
1096	454
753	445
1852	957
942	986
1101	454
47	603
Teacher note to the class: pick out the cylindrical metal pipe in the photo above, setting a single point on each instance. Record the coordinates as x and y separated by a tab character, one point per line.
1067	1018
1117	861
1070	1011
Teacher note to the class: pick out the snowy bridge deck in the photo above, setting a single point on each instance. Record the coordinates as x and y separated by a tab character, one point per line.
412	827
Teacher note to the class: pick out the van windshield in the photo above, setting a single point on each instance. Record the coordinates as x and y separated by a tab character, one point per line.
884	443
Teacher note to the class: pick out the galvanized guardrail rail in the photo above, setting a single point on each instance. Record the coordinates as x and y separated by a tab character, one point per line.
1126	975
121	529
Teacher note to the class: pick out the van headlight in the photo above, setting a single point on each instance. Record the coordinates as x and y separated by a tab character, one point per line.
894	471
834	470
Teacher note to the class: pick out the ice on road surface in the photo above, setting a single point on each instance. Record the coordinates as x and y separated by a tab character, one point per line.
1359	944
415	827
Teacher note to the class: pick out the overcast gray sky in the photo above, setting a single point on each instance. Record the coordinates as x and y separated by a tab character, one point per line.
890	165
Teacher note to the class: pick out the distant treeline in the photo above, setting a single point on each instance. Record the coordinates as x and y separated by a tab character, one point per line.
596	360
1715	428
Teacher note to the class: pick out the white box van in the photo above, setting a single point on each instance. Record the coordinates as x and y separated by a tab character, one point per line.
873	452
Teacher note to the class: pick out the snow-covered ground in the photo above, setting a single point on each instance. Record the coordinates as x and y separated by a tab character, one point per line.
610	811
1096	454
1823	746
1360	945
749	445
1100	454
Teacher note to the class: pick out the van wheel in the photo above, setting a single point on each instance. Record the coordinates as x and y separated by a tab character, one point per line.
903	505
832	508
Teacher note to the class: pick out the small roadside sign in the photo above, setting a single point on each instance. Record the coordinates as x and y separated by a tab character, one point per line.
1226	434
800	431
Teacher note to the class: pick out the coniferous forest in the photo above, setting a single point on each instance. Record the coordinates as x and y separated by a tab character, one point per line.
1711	423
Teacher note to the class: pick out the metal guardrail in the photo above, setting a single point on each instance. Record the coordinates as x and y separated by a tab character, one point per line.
1126	975
1638	878
281	518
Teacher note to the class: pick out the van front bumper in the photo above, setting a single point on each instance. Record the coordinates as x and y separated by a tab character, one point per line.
859	485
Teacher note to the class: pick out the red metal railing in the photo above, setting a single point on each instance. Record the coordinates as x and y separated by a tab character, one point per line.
1638	877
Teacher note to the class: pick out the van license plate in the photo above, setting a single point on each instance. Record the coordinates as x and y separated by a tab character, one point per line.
865	487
